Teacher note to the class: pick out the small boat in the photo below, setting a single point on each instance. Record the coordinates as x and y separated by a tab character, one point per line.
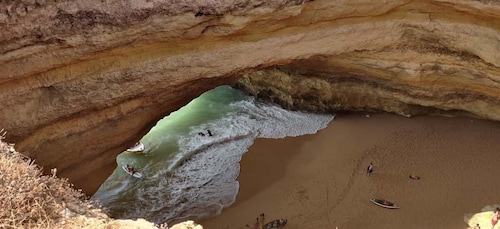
384	203
132	173
137	148
275	224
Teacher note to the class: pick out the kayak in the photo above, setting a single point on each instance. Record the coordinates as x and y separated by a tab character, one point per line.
137	148
275	224
384	203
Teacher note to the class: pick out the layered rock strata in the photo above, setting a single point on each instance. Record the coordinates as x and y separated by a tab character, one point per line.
82	80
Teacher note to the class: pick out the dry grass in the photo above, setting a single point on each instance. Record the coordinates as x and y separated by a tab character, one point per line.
30	200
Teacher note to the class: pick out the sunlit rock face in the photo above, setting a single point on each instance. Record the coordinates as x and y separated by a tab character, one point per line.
80	81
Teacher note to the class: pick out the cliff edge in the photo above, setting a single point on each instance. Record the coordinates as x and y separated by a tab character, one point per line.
83	80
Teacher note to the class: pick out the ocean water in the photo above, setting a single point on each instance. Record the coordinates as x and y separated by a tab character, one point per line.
190	176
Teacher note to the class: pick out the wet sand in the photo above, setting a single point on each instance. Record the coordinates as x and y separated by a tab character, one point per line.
320	181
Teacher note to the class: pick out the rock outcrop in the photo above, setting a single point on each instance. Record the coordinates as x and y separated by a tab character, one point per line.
82	80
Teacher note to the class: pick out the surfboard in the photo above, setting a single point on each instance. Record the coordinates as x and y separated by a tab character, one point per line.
381	203
134	174
137	148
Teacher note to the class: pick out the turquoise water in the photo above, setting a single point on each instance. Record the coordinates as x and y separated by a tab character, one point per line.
190	176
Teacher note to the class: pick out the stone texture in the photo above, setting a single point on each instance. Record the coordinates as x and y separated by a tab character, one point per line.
82	80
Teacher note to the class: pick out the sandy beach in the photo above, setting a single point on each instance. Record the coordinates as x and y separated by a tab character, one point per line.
320	181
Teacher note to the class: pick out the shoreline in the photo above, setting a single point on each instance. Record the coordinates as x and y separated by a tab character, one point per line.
319	181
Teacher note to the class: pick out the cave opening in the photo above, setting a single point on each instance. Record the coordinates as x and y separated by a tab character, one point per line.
186	166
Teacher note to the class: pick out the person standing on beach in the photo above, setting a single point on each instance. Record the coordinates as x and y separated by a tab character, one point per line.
257	223
369	170
496	215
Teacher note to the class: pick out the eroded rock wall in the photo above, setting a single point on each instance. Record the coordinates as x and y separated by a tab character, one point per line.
82	80
319	84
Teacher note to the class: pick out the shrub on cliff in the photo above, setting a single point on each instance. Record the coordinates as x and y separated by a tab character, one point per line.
30	200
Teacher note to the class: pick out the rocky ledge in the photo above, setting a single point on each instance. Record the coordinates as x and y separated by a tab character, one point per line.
82	80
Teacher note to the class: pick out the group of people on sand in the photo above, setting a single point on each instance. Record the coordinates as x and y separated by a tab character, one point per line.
259	222
369	171
275	224
496	212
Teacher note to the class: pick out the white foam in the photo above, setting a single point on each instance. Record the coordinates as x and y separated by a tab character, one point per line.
275	122
206	181
201	179
204	177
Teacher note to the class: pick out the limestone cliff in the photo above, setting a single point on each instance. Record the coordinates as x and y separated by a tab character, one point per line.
82	80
